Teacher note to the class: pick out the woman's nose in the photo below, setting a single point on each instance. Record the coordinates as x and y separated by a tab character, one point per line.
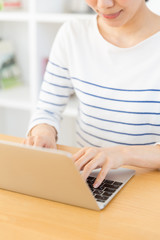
105	3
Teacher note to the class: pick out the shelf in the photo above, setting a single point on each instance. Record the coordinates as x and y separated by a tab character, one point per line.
59	17
19	98
14	16
16	98
22	16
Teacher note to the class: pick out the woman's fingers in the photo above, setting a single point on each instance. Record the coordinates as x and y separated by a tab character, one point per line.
101	176
89	154
29	141
89	168
40	141
100	160
77	155
96	162
88	159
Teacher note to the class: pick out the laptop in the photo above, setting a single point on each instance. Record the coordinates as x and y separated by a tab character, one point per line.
52	174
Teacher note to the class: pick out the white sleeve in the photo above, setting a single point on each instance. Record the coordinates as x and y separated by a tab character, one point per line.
57	85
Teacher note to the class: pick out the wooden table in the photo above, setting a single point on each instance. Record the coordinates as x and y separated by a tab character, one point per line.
133	214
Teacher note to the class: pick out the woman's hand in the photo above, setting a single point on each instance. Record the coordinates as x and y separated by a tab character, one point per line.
42	135
90	158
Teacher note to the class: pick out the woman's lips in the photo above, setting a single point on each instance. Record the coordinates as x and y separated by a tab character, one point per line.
112	15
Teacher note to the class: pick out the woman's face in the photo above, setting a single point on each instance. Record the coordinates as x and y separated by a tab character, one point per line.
117	13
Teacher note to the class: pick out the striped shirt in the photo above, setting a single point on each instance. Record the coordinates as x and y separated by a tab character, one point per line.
118	89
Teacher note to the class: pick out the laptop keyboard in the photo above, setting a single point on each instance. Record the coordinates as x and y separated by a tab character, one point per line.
105	190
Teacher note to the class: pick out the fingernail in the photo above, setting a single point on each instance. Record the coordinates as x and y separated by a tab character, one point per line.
95	185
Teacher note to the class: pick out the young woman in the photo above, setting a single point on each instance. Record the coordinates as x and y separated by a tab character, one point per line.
112	63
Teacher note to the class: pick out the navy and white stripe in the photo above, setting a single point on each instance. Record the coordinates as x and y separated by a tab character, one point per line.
118	89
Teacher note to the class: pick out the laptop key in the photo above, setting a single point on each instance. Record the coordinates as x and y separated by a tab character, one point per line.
100	200
114	186
108	181
100	187
90	184
108	194
99	192
117	184
99	197
110	190
91	179
108	185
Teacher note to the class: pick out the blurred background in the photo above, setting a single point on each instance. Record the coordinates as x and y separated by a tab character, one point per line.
27	30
